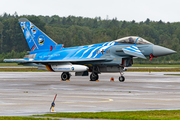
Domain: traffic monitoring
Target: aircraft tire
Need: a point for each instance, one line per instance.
(121, 78)
(65, 76)
(94, 76)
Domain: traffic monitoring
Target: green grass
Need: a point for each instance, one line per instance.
(17, 69)
(21, 70)
(125, 115)
(131, 69)
(23, 118)
(134, 65)
(9, 64)
(171, 74)
(153, 70)
(151, 65)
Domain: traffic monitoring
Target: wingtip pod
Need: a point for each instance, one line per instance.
(23, 20)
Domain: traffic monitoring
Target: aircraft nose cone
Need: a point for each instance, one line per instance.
(161, 51)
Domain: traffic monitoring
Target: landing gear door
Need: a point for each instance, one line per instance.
(126, 62)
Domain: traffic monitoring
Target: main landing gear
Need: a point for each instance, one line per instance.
(94, 77)
(65, 76)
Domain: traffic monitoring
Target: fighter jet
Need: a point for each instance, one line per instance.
(98, 58)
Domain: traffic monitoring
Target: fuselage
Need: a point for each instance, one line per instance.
(109, 50)
(112, 51)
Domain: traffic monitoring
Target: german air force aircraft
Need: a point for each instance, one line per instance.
(97, 58)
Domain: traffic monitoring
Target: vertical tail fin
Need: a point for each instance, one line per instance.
(36, 39)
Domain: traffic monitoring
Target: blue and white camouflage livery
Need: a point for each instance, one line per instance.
(110, 56)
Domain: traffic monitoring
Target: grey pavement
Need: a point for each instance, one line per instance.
(31, 93)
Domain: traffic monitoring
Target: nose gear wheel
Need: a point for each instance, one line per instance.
(121, 78)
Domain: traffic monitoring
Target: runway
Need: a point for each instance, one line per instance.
(28, 93)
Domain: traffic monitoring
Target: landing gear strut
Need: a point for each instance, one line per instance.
(121, 78)
(94, 76)
(65, 76)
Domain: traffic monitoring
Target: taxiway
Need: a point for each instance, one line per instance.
(28, 93)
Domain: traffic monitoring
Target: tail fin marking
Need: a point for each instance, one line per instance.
(36, 39)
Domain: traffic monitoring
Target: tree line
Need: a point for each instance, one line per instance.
(77, 31)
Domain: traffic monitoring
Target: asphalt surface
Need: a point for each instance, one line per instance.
(31, 93)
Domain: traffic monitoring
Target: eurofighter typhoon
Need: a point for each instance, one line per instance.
(98, 58)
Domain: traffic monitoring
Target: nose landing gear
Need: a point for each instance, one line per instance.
(121, 78)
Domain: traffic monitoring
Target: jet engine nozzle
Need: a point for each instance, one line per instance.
(161, 51)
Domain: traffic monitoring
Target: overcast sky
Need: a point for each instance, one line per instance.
(138, 10)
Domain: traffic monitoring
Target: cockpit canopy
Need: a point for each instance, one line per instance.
(132, 40)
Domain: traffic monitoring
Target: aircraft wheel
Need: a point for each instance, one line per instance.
(94, 76)
(121, 78)
(65, 76)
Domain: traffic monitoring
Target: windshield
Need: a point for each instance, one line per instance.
(132, 40)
